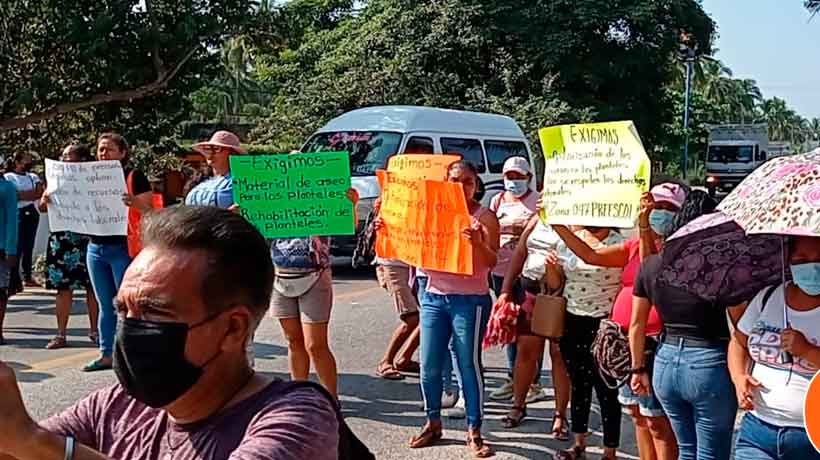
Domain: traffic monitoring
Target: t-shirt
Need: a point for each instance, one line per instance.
(216, 191)
(266, 426)
(512, 220)
(140, 186)
(622, 310)
(780, 400)
(24, 182)
(8, 218)
(542, 239)
(590, 290)
(683, 314)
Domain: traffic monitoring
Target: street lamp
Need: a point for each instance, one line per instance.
(688, 53)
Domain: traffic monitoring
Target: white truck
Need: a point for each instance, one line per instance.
(733, 152)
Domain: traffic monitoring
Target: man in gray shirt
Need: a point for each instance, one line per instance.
(190, 301)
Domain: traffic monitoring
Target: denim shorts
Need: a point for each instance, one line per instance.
(648, 405)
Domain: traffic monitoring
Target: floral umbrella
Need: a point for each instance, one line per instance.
(714, 259)
(781, 197)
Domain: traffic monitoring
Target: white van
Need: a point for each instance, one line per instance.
(372, 135)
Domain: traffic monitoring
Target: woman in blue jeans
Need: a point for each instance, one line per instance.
(107, 257)
(690, 376)
(458, 306)
(772, 363)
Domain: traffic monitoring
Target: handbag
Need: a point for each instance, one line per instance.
(549, 313)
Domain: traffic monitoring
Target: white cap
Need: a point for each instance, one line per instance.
(517, 164)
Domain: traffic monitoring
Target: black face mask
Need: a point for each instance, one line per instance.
(149, 360)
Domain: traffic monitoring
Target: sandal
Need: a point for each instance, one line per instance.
(426, 438)
(478, 447)
(410, 367)
(97, 365)
(575, 453)
(562, 432)
(388, 372)
(57, 342)
(513, 422)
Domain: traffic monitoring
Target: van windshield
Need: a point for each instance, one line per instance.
(730, 153)
(369, 150)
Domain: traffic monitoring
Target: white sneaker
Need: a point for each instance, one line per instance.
(536, 394)
(457, 412)
(503, 393)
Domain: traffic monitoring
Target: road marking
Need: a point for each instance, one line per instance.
(63, 361)
(77, 358)
(357, 293)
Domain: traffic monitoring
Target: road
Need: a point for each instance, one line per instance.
(384, 414)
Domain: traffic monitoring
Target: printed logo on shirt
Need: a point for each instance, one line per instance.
(764, 347)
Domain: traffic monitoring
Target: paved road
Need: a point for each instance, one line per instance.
(384, 414)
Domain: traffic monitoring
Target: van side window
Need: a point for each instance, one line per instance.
(499, 151)
(469, 149)
(419, 145)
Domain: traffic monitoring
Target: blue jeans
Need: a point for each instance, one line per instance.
(464, 319)
(758, 440)
(497, 282)
(695, 390)
(449, 365)
(106, 267)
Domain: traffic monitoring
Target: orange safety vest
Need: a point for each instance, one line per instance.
(135, 217)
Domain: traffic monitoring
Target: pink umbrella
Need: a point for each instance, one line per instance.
(781, 197)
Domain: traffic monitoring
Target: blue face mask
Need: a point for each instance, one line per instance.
(807, 277)
(661, 221)
(517, 187)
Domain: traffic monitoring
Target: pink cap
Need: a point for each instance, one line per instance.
(224, 139)
(517, 164)
(669, 192)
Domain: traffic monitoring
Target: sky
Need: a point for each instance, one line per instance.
(773, 42)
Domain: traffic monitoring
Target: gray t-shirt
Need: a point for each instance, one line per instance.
(267, 426)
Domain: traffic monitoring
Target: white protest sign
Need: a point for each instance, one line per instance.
(86, 197)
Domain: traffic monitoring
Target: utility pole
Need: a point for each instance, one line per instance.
(688, 53)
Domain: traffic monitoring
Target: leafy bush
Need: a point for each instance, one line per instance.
(156, 160)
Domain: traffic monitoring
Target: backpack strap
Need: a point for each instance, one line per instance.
(767, 295)
(496, 202)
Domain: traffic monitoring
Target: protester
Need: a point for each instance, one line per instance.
(66, 270)
(459, 306)
(658, 210)
(218, 189)
(108, 255)
(590, 291)
(772, 358)
(529, 262)
(302, 301)
(690, 377)
(29, 189)
(513, 208)
(190, 300)
(8, 244)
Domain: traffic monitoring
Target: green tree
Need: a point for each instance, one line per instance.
(546, 61)
(75, 67)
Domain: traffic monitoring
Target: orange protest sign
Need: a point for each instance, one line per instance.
(423, 221)
(430, 167)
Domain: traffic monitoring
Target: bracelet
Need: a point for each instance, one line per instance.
(69, 448)
(644, 227)
(638, 370)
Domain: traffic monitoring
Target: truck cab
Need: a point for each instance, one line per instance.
(734, 151)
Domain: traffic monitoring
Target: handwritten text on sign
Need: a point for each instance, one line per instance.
(295, 195)
(418, 166)
(423, 221)
(86, 197)
(594, 174)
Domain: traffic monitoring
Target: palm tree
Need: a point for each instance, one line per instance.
(745, 99)
(779, 117)
(813, 6)
(236, 57)
(814, 129)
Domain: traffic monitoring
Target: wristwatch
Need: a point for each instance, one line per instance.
(69, 447)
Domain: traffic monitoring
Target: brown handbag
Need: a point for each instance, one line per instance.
(549, 313)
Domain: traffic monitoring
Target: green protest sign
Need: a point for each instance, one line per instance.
(294, 195)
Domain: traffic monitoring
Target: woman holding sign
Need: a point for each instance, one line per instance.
(66, 269)
(108, 255)
(459, 306)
